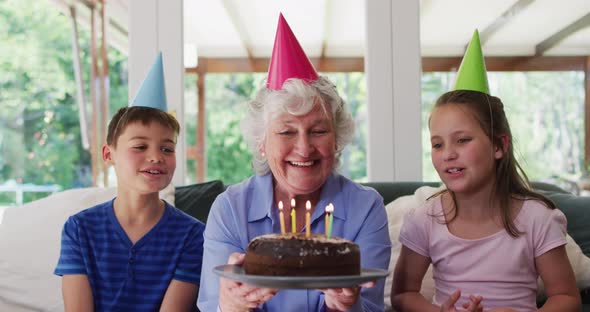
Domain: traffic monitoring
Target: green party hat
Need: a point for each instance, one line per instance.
(472, 72)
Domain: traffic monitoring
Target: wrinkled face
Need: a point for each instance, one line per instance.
(462, 154)
(144, 158)
(300, 151)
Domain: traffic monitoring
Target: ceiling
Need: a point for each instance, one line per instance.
(336, 28)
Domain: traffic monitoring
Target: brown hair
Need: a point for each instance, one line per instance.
(128, 115)
(511, 180)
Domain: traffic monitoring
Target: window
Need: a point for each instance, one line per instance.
(545, 111)
(40, 141)
(228, 156)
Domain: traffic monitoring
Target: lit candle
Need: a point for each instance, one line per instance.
(329, 219)
(293, 218)
(307, 219)
(282, 217)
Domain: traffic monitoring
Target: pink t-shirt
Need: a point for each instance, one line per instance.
(498, 267)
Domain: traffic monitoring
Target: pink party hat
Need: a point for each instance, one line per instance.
(288, 59)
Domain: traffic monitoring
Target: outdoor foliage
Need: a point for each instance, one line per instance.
(226, 96)
(39, 129)
(40, 134)
(545, 111)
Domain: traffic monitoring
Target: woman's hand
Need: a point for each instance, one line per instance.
(474, 304)
(236, 296)
(342, 299)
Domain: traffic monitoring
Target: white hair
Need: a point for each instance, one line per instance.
(297, 98)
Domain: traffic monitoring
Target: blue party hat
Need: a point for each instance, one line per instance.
(152, 92)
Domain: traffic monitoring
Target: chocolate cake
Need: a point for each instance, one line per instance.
(296, 255)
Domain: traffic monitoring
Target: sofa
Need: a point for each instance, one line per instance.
(197, 199)
(30, 235)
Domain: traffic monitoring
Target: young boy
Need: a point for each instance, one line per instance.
(135, 252)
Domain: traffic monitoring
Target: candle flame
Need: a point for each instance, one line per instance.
(292, 202)
(308, 205)
(280, 205)
(330, 208)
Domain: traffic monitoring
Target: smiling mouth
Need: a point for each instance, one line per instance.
(156, 172)
(454, 170)
(302, 163)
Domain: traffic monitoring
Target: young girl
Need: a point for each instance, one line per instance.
(488, 235)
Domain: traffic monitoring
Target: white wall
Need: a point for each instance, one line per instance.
(158, 26)
(393, 70)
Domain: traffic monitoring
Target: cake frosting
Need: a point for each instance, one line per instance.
(298, 255)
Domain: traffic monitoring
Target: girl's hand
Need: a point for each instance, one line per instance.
(236, 296)
(342, 299)
(474, 304)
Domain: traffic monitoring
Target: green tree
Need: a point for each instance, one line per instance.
(37, 92)
(545, 112)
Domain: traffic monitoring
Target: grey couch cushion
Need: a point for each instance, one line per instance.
(577, 212)
(196, 199)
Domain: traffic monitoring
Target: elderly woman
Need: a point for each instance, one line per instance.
(297, 130)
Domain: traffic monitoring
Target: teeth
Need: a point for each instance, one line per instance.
(454, 170)
(154, 171)
(302, 163)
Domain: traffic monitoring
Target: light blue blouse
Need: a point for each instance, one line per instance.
(246, 210)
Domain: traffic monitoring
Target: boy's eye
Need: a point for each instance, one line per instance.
(140, 147)
(167, 150)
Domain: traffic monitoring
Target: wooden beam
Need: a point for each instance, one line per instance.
(570, 29)
(95, 136)
(327, 20)
(104, 85)
(200, 157)
(425, 6)
(240, 27)
(429, 64)
(260, 65)
(503, 19)
(586, 168)
(523, 63)
(79, 75)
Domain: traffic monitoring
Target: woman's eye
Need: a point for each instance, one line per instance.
(286, 132)
(319, 132)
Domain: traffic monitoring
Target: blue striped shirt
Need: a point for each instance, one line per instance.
(126, 276)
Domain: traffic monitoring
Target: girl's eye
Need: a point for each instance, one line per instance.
(464, 140)
(436, 145)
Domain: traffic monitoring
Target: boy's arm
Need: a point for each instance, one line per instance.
(180, 296)
(77, 293)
